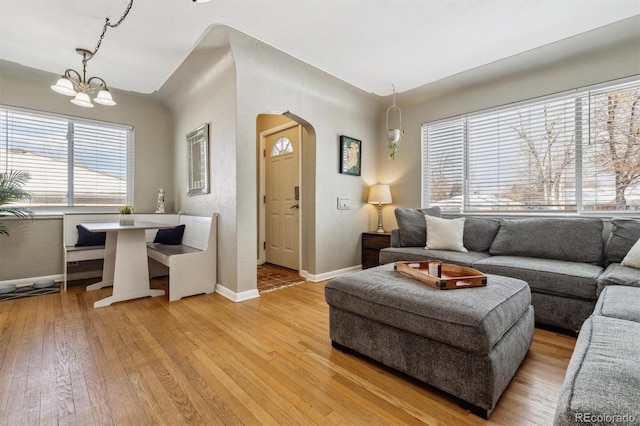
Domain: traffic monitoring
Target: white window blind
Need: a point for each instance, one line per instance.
(523, 157)
(611, 156)
(577, 151)
(443, 166)
(72, 162)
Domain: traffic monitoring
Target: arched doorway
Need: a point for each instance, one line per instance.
(285, 160)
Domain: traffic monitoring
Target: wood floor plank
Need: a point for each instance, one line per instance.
(207, 360)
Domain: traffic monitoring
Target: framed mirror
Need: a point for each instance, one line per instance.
(198, 161)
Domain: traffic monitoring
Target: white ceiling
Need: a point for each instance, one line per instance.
(368, 43)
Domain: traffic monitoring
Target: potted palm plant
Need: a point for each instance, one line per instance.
(11, 191)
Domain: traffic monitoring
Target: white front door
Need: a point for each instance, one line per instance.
(282, 198)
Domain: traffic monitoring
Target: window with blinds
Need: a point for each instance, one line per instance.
(577, 151)
(72, 161)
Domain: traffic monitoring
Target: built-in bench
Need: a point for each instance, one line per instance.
(192, 265)
(70, 222)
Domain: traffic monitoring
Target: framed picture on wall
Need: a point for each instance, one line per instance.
(198, 161)
(350, 155)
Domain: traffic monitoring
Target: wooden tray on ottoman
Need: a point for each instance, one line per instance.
(452, 276)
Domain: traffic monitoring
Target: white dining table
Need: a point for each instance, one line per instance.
(125, 261)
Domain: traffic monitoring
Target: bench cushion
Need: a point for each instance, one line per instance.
(77, 254)
(472, 319)
(162, 252)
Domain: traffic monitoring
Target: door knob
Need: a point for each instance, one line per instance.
(295, 206)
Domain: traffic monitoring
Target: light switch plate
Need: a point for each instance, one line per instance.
(343, 203)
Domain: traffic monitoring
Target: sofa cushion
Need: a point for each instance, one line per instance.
(624, 234)
(472, 319)
(558, 277)
(412, 225)
(397, 254)
(603, 377)
(571, 239)
(617, 274)
(479, 233)
(617, 301)
(444, 234)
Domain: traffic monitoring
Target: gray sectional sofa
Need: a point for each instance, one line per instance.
(566, 261)
(603, 378)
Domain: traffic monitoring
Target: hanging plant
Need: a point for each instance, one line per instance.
(11, 191)
(394, 134)
(393, 137)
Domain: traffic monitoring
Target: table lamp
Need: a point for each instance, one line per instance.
(379, 194)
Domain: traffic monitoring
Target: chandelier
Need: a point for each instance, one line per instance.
(72, 83)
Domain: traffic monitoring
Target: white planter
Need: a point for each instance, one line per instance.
(393, 135)
(126, 219)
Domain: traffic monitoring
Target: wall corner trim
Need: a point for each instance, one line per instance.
(330, 274)
(237, 297)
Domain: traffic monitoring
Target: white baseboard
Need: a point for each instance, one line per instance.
(330, 274)
(237, 297)
(254, 294)
(23, 282)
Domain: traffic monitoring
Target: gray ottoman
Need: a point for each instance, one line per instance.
(468, 342)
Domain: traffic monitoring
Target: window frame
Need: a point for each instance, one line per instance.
(73, 136)
(576, 93)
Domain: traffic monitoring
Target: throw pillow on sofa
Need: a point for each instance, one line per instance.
(445, 234)
(411, 225)
(624, 234)
(632, 259)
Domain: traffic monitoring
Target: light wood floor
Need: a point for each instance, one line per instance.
(207, 360)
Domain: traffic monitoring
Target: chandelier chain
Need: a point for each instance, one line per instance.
(108, 25)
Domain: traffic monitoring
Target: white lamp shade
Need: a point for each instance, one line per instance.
(64, 87)
(380, 194)
(83, 100)
(104, 98)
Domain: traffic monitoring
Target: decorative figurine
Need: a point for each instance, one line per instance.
(160, 207)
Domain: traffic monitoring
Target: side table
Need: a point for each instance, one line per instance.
(372, 242)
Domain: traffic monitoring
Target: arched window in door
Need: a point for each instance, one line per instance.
(281, 147)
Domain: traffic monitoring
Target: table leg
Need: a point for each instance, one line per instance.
(109, 265)
(131, 272)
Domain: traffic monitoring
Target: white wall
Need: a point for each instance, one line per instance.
(203, 90)
(268, 81)
(601, 55)
(28, 88)
(34, 248)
